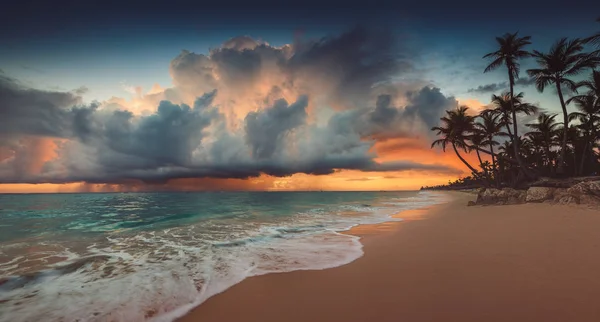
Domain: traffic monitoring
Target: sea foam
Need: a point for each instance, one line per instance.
(159, 275)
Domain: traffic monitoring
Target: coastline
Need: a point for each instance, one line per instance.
(448, 262)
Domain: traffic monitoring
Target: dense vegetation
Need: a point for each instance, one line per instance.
(555, 145)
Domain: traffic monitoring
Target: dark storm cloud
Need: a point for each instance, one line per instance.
(525, 82)
(498, 87)
(109, 144)
(237, 65)
(114, 147)
(488, 88)
(34, 112)
(348, 65)
(384, 114)
(356, 60)
(423, 110)
(165, 138)
(264, 130)
(409, 165)
(428, 104)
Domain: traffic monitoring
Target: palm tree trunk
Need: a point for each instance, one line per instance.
(465, 161)
(592, 155)
(563, 150)
(503, 156)
(516, 142)
(494, 165)
(510, 133)
(547, 150)
(582, 164)
(485, 172)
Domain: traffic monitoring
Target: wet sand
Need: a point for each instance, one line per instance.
(532, 262)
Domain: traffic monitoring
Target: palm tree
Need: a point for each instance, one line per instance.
(490, 125)
(457, 128)
(510, 52)
(565, 59)
(545, 130)
(588, 114)
(477, 139)
(504, 107)
(537, 144)
(595, 39)
(592, 85)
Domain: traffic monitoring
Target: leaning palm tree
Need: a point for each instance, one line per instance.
(477, 139)
(456, 129)
(510, 51)
(564, 60)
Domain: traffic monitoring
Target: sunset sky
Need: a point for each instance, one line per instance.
(196, 96)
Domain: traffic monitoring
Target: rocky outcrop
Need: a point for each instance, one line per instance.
(561, 183)
(505, 196)
(539, 194)
(586, 192)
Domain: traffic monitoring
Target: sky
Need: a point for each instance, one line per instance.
(135, 96)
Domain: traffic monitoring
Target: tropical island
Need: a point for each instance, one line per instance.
(557, 151)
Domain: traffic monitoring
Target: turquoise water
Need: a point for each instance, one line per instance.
(152, 256)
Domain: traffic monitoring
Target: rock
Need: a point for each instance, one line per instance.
(471, 203)
(589, 187)
(506, 193)
(487, 196)
(586, 192)
(562, 183)
(589, 200)
(567, 200)
(559, 193)
(523, 196)
(539, 194)
(505, 196)
(513, 200)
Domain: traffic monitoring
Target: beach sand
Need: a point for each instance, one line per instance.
(532, 262)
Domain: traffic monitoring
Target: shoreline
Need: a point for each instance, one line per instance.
(360, 231)
(448, 262)
(356, 232)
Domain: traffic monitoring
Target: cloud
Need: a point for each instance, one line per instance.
(360, 179)
(245, 109)
(33, 69)
(422, 110)
(265, 130)
(489, 88)
(502, 86)
(525, 82)
(414, 166)
(34, 112)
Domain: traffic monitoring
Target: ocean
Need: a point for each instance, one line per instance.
(154, 256)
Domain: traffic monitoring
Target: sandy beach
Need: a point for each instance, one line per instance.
(531, 262)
